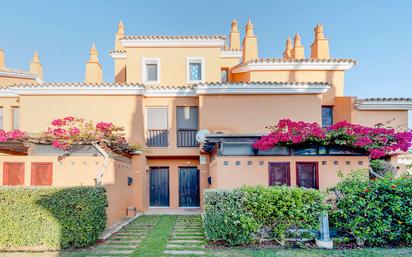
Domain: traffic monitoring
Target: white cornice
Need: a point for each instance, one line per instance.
(230, 54)
(24, 75)
(385, 105)
(173, 42)
(75, 90)
(259, 88)
(293, 66)
(118, 55)
(169, 92)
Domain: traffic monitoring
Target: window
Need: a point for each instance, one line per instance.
(224, 75)
(157, 127)
(327, 116)
(151, 70)
(15, 117)
(187, 125)
(195, 69)
(1, 117)
(307, 174)
(236, 149)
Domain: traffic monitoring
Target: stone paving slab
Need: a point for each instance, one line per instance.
(184, 252)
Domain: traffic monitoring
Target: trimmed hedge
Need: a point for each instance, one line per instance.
(51, 218)
(251, 214)
(375, 212)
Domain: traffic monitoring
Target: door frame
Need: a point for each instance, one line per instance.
(287, 172)
(316, 164)
(198, 183)
(168, 191)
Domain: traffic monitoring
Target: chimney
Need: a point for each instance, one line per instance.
(94, 72)
(298, 51)
(35, 66)
(2, 59)
(234, 36)
(249, 46)
(287, 54)
(119, 35)
(320, 47)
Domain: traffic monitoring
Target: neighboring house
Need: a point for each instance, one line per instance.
(167, 88)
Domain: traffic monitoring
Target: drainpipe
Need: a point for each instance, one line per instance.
(101, 170)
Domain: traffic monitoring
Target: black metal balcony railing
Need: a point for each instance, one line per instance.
(187, 138)
(157, 138)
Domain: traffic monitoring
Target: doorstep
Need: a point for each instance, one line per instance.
(179, 211)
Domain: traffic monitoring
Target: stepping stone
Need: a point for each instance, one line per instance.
(184, 252)
(186, 241)
(117, 246)
(124, 241)
(184, 246)
(187, 237)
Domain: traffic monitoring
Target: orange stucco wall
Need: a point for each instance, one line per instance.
(396, 119)
(172, 63)
(82, 170)
(251, 114)
(36, 112)
(232, 175)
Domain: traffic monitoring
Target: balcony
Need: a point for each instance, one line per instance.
(187, 138)
(157, 138)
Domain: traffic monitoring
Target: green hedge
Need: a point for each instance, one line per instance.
(51, 218)
(375, 212)
(251, 214)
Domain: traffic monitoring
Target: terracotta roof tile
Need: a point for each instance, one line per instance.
(277, 83)
(285, 60)
(74, 84)
(16, 71)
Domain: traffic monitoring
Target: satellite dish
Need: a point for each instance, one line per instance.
(201, 135)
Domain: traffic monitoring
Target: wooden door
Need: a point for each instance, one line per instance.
(159, 187)
(307, 174)
(41, 173)
(279, 173)
(189, 192)
(13, 173)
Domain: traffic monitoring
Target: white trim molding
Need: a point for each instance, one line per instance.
(181, 42)
(230, 54)
(70, 89)
(169, 91)
(150, 60)
(18, 74)
(261, 88)
(197, 60)
(274, 66)
(384, 105)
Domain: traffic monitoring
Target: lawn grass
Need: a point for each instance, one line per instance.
(155, 243)
(157, 238)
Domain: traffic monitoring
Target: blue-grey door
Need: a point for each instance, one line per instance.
(159, 187)
(189, 187)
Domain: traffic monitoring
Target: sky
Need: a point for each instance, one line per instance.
(377, 33)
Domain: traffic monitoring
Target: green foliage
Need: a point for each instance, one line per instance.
(253, 213)
(51, 218)
(374, 212)
(381, 167)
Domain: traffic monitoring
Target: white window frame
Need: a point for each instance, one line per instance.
(195, 59)
(150, 60)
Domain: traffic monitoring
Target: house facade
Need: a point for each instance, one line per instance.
(168, 88)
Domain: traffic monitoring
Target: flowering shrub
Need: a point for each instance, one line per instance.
(374, 212)
(15, 135)
(378, 141)
(70, 131)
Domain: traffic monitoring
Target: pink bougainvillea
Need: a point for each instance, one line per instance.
(15, 135)
(69, 131)
(378, 141)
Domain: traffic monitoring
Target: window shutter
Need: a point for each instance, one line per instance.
(187, 117)
(13, 173)
(41, 173)
(157, 118)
